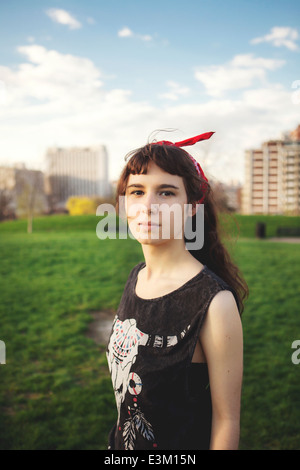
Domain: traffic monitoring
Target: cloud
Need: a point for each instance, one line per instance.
(280, 36)
(175, 91)
(145, 37)
(125, 33)
(241, 72)
(63, 17)
(50, 77)
(60, 99)
(128, 33)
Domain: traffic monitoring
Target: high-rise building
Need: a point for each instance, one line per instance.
(272, 177)
(76, 172)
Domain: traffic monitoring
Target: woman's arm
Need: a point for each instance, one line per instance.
(222, 342)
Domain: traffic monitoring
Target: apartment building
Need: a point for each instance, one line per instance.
(291, 174)
(272, 177)
(76, 171)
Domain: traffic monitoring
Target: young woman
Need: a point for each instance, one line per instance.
(175, 352)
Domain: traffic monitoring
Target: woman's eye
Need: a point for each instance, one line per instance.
(165, 192)
(134, 192)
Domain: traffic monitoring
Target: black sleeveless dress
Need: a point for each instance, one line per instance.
(163, 399)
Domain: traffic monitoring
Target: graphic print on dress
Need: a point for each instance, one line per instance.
(136, 421)
(121, 355)
(123, 349)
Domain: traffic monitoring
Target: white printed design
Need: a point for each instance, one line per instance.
(121, 355)
(135, 384)
(136, 422)
(122, 352)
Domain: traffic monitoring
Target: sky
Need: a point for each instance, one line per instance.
(124, 72)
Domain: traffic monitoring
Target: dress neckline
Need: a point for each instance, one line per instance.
(154, 299)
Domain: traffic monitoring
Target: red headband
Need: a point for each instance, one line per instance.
(191, 141)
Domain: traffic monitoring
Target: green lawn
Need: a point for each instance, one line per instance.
(271, 399)
(238, 225)
(55, 391)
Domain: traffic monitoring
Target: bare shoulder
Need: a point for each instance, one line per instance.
(224, 304)
(222, 338)
(223, 316)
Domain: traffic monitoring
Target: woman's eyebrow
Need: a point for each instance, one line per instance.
(160, 186)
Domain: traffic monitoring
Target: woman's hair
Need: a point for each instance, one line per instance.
(176, 161)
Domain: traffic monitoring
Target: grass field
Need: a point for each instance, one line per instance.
(237, 225)
(55, 390)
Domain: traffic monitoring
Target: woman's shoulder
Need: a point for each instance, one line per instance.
(223, 292)
(214, 278)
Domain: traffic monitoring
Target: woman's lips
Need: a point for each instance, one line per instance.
(148, 224)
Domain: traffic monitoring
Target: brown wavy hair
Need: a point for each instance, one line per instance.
(176, 161)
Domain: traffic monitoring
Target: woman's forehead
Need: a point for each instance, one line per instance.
(155, 176)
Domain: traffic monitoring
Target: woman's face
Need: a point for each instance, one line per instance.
(158, 198)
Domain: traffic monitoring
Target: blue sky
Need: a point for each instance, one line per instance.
(112, 72)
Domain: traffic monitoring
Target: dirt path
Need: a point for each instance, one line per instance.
(273, 239)
(284, 239)
(99, 329)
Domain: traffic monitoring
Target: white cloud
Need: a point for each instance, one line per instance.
(249, 61)
(128, 33)
(59, 99)
(125, 33)
(145, 37)
(63, 17)
(280, 36)
(175, 91)
(51, 77)
(3, 94)
(241, 72)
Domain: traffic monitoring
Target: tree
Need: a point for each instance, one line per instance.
(7, 209)
(30, 195)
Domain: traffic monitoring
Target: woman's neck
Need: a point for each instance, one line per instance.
(168, 260)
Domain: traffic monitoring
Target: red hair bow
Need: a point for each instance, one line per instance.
(191, 141)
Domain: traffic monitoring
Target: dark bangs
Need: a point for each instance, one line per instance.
(173, 160)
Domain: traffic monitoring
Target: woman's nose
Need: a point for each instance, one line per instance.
(150, 203)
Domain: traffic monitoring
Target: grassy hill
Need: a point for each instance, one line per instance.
(55, 390)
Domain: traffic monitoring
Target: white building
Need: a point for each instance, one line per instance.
(76, 172)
